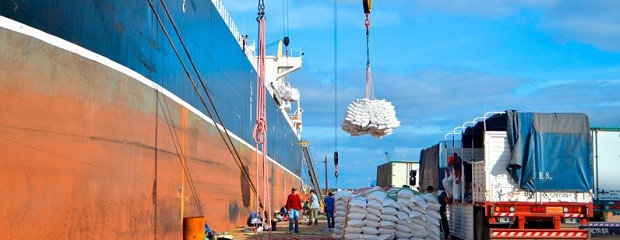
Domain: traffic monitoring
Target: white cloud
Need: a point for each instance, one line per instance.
(419, 129)
(480, 8)
(316, 15)
(319, 132)
(577, 95)
(529, 89)
(406, 153)
(387, 17)
(590, 22)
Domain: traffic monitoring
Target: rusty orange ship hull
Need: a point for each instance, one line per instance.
(88, 151)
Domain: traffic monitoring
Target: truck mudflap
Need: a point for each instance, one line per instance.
(602, 228)
(539, 234)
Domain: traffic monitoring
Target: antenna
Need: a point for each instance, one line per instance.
(387, 157)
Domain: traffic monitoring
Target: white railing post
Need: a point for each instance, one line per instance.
(228, 20)
(489, 114)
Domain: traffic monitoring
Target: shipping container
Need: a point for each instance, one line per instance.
(398, 174)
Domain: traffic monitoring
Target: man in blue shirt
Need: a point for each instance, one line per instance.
(329, 209)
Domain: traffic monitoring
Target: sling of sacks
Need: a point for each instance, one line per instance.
(288, 93)
(370, 116)
(399, 213)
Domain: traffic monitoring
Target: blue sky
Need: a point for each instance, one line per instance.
(442, 63)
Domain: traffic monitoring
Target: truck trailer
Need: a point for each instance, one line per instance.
(606, 157)
(523, 176)
(606, 147)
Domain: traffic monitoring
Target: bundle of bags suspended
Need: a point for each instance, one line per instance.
(398, 213)
(287, 93)
(376, 117)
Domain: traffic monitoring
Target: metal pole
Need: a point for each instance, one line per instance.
(596, 193)
(326, 184)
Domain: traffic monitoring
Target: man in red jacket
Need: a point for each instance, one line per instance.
(293, 205)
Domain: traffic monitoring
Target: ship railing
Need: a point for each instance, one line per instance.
(219, 5)
(296, 52)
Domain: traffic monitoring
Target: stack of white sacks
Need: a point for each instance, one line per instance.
(288, 93)
(370, 116)
(399, 213)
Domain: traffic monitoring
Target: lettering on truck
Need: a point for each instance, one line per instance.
(560, 195)
(599, 231)
(544, 176)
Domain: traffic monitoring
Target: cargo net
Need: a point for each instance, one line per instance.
(368, 115)
(376, 117)
(399, 213)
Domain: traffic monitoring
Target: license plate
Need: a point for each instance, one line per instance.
(554, 210)
(571, 220)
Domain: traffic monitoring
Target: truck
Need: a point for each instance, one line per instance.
(523, 176)
(606, 157)
(398, 174)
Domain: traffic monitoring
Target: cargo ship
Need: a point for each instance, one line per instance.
(119, 119)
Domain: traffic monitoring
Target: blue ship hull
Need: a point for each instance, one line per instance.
(128, 33)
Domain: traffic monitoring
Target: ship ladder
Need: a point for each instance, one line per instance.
(311, 169)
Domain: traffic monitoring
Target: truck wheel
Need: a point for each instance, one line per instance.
(482, 230)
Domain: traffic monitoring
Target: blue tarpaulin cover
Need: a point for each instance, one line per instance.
(550, 151)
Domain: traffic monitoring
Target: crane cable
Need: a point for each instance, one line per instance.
(223, 134)
(336, 92)
(370, 91)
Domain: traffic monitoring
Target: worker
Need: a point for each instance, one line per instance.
(244, 39)
(314, 208)
(329, 208)
(443, 200)
(430, 189)
(448, 181)
(293, 205)
(456, 163)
